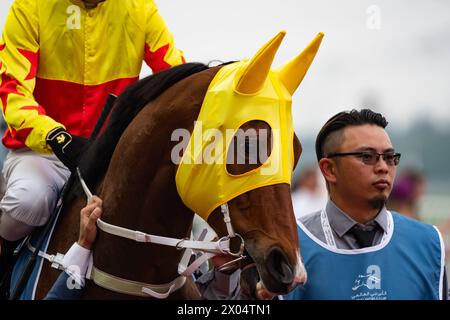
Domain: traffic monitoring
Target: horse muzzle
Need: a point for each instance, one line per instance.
(279, 276)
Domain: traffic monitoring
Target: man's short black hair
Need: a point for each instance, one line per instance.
(345, 119)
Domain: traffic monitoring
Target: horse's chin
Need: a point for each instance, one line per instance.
(263, 293)
(269, 288)
(264, 287)
(249, 280)
(254, 288)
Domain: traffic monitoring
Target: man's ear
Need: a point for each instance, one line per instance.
(328, 168)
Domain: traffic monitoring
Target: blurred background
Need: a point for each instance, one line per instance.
(390, 56)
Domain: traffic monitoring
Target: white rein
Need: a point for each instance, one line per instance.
(161, 291)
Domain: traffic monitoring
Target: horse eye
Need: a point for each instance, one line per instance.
(245, 152)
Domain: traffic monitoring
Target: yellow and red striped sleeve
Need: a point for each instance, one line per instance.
(160, 50)
(19, 55)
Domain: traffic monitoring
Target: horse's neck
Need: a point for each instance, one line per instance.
(155, 210)
(139, 190)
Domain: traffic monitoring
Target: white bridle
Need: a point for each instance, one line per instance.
(208, 249)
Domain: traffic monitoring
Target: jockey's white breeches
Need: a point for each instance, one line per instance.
(33, 183)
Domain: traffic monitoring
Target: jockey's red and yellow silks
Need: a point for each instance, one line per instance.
(58, 62)
(239, 93)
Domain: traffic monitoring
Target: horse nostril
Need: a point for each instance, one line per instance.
(278, 266)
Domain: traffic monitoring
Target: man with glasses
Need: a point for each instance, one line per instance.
(354, 248)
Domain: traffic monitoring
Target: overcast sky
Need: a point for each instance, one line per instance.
(390, 55)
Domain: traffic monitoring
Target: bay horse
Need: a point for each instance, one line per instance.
(131, 168)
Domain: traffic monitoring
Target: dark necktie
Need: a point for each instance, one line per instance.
(363, 237)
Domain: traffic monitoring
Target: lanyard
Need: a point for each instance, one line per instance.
(329, 233)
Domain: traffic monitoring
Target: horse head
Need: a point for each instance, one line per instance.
(241, 156)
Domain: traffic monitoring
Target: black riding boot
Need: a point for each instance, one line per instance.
(6, 266)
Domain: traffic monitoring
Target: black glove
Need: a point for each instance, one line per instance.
(66, 147)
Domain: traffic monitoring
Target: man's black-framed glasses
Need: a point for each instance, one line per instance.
(371, 157)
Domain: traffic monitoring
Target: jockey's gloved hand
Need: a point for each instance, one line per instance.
(67, 148)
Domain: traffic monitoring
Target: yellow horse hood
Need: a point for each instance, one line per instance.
(239, 93)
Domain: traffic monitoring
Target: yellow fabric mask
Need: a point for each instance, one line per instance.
(239, 93)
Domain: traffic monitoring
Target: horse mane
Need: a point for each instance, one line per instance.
(97, 155)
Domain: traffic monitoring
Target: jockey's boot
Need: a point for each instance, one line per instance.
(6, 265)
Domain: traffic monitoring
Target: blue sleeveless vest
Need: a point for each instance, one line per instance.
(407, 264)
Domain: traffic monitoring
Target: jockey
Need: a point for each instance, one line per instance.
(58, 62)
